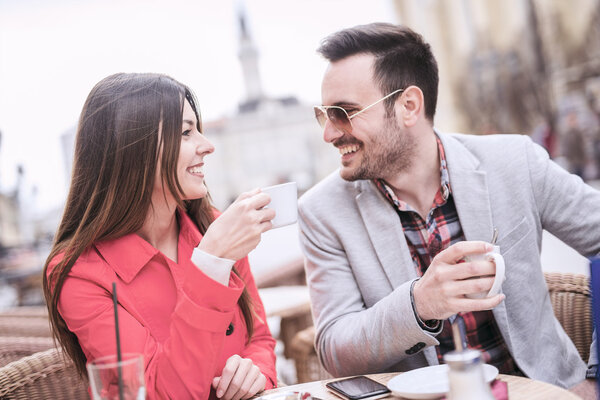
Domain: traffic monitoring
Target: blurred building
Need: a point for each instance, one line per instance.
(9, 221)
(507, 65)
(67, 144)
(13, 227)
(268, 141)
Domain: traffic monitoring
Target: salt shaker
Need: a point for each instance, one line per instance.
(465, 372)
(465, 376)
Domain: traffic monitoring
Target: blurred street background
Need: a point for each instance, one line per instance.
(506, 66)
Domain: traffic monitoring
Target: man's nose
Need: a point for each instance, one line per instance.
(330, 132)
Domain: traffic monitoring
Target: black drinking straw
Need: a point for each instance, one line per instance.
(119, 372)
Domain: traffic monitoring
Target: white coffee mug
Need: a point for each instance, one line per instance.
(499, 278)
(284, 200)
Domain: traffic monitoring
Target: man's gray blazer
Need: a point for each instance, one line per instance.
(359, 267)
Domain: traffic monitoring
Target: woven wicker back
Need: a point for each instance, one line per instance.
(24, 326)
(26, 311)
(43, 375)
(14, 348)
(571, 300)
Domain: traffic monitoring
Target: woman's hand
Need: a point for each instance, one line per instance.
(237, 231)
(240, 379)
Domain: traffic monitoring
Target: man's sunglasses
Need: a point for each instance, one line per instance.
(339, 117)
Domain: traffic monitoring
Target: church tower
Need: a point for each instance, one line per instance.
(248, 55)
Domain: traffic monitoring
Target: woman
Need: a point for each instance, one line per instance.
(138, 214)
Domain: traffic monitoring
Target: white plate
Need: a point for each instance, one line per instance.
(429, 382)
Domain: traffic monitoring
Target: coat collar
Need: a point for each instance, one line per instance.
(128, 254)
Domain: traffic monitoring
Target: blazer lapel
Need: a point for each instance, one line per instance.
(469, 190)
(385, 233)
(472, 201)
(387, 237)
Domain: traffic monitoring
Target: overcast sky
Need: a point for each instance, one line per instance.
(53, 52)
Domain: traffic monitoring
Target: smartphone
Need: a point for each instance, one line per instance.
(358, 388)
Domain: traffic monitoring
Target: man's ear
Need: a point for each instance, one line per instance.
(412, 105)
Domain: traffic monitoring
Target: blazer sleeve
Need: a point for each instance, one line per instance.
(261, 349)
(183, 367)
(568, 207)
(345, 327)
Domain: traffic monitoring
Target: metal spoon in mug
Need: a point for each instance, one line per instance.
(495, 236)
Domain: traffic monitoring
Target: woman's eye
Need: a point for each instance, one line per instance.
(187, 133)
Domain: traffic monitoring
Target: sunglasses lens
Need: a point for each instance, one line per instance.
(336, 116)
(320, 115)
(339, 119)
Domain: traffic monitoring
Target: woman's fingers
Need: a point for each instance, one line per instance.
(249, 380)
(246, 195)
(227, 375)
(240, 367)
(240, 379)
(258, 386)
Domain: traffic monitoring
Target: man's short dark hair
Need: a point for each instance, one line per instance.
(402, 58)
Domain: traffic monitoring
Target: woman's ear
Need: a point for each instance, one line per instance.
(412, 105)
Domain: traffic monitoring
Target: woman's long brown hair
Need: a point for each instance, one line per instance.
(115, 162)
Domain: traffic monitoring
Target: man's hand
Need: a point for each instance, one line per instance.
(240, 379)
(586, 389)
(441, 291)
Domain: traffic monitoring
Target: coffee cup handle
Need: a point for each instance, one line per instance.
(500, 270)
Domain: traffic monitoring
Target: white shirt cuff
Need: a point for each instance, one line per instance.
(216, 268)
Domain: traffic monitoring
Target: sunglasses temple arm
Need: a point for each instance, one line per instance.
(377, 102)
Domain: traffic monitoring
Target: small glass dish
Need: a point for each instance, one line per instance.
(288, 396)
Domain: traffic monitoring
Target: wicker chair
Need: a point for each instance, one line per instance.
(571, 300)
(25, 311)
(15, 348)
(302, 351)
(43, 375)
(21, 326)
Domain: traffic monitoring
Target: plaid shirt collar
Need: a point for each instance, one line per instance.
(441, 196)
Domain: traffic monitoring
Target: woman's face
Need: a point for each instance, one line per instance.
(194, 146)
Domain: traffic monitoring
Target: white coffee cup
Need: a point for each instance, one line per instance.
(499, 278)
(284, 200)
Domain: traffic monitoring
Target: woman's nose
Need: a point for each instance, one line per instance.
(204, 145)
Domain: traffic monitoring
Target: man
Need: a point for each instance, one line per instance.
(386, 236)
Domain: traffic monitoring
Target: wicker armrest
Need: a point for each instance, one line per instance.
(43, 375)
(15, 348)
(302, 351)
(570, 295)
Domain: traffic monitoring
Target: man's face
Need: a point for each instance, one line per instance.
(378, 146)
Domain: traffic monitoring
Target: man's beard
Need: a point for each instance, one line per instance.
(389, 153)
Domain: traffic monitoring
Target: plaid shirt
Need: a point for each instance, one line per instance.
(425, 240)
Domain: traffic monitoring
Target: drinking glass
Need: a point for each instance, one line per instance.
(104, 375)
